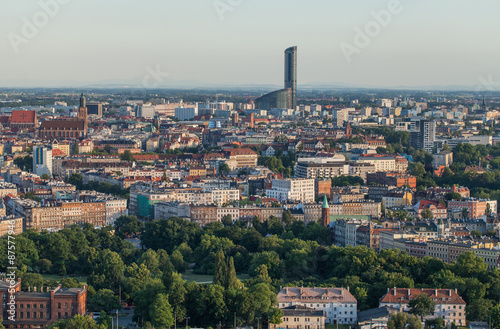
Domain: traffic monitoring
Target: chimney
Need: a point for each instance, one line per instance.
(435, 292)
(29, 289)
(449, 292)
(347, 288)
(409, 292)
(455, 290)
(34, 288)
(388, 290)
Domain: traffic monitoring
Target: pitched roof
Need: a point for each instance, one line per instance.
(63, 125)
(313, 295)
(22, 116)
(440, 296)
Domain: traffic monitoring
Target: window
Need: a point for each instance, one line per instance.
(59, 306)
(41, 305)
(27, 315)
(34, 315)
(28, 305)
(22, 305)
(21, 315)
(34, 305)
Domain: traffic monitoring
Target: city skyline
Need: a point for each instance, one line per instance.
(217, 43)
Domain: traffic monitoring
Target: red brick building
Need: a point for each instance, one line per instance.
(42, 306)
(391, 179)
(23, 119)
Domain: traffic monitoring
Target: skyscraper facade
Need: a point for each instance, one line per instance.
(42, 161)
(291, 73)
(423, 135)
(284, 98)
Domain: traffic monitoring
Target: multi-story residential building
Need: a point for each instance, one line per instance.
(243, 157)
(423, 135)
(449, 305)
(11, 225)
(391, 179)
(345, 231)
(7, 188)
(385, 163)
(339, 304)
(438, 208)
(397, 199)
(222, 197)
(300, 190)
(38, 309)
(362, 208)
(476, 208)
(203, 215)
(444, 158)
(164, 210)
(234, 212)
(299, 317)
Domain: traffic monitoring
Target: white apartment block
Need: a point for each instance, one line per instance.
(292, 189)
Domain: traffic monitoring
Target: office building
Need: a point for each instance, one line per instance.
(95, 109)
(285, 98)
(42, 161)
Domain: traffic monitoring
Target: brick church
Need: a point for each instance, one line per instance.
(69, 128)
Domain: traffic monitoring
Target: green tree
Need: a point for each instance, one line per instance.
(422, 305)
(465, 213)
(45, 176)
(453, 196)
(231, 279)
(275, 316)
(78, 322)
(224, 168)
(126, 226)
(220, 269)
(427, 214)
(161, 312)
(479, 309)
(104, 300)
(416, 169)
(127, 156)
(404, 321)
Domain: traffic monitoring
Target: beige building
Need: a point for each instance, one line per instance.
(243, 157)
(339, 304)
(444, 158)
(301, 317)
(11, 225)
(449, 305)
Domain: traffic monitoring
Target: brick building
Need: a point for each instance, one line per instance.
(391, 179)
(42, 306)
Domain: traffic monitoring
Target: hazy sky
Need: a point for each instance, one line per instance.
(445, 42)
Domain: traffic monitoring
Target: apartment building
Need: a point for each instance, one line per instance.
(449, 305)
(339, 304)
(292, 189)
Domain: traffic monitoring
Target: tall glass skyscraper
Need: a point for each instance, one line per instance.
(291, 73)
(284, 98)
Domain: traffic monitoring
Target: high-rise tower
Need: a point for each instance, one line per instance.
(325, 213)
(291, 73)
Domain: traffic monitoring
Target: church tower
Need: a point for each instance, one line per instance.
(325, 213)
(82, 113)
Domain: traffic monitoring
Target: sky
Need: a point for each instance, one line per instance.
(156, 43)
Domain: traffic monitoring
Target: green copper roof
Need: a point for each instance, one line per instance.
(325, 203)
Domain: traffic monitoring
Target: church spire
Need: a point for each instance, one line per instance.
(82, 101)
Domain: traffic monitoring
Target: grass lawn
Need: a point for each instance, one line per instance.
(58, 278)
(334, 326)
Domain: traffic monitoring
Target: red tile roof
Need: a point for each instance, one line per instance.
(440, 296)
(21, 116)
